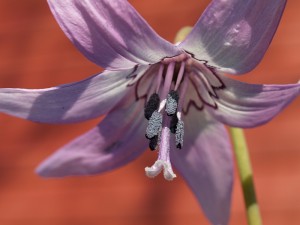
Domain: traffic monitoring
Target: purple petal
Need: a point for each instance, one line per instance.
(206, 164)
(116, 141)
(234, 35)
(249, 105)
(110, 33)
(69, 103)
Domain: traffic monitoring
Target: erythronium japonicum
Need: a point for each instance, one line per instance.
(180, 89)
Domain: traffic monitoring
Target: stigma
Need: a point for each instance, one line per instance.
(164, 108)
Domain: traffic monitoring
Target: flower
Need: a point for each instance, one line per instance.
(179, 88)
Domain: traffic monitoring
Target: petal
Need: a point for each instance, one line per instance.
(116, 141)
(69, 103)
(206, 163)
(249, 105)
(110, 33)
(234, 35)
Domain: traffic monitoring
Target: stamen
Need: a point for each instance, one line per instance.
(180, 75)
(153, 143)
(162, 105)
(183, 91)
(173, 123)
(154, 125)
(168, 80)
(151, 106)
(179, 134)
(172, 102)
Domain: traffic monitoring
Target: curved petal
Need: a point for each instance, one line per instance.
(69, 103)
(233, 35)
(110, 33)
(249, 105)
(116, 141)
(206, 163)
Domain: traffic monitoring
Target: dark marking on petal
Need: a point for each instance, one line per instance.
(189, 105)
(132, 76)
(215, 106)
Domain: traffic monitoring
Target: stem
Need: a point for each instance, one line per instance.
(246, 176)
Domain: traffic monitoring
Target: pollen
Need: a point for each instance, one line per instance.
(151, 105)
(179, 134)
(172, 102)
(173, 123)
(154, 125)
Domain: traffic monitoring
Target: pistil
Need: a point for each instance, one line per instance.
(163, 162)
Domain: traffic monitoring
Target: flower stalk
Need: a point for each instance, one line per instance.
(246, 176)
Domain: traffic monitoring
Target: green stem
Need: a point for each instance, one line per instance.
(246, 176)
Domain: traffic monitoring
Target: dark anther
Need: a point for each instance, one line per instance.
(174, 95)
(179, 134)
(153, 143)
(173, 123)
(151, 106)
(154, 125)
(172, 102)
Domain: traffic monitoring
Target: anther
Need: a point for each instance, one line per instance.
(172, 102)
(151, 105)
(179, 134)
(154, 125)
(153, 143)
(173, 123)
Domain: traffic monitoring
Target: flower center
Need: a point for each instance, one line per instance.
(168, 103)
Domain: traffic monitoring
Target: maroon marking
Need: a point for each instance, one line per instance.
(192, 103)
(215, 106)
(132, 76)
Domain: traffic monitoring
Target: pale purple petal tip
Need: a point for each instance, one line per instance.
(110, 33)
(206, 163)
(116, 141)
(234, 35)
(250, 105)
(69, 103)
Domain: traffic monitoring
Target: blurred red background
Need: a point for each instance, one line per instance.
(34, 53)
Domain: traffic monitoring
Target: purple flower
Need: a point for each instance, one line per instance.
(179, 88)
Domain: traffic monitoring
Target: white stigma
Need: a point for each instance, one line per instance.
(163, 161)
(157, 167)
